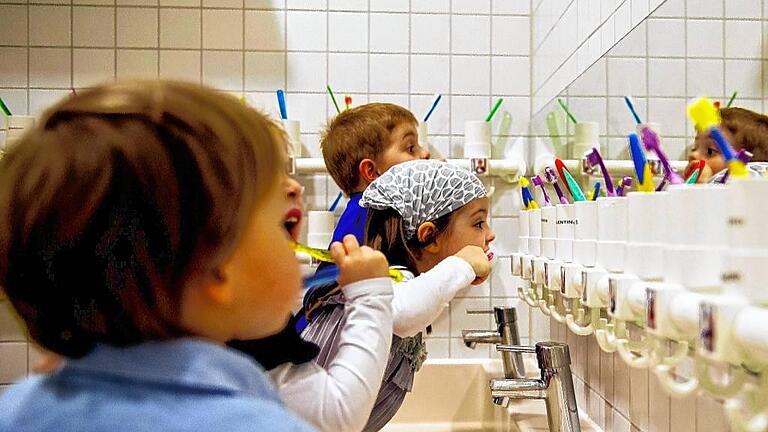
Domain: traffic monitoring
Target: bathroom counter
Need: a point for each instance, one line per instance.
(452, 395)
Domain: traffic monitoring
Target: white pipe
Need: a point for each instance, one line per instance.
(616, 167)
(496, 167)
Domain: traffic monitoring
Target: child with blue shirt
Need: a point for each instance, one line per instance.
(134, 228)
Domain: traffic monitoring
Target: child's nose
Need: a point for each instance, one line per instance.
(693, 155)
(293, 189)
(425, 153)
(490, 236)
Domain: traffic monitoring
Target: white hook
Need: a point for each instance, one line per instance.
(525, 296)
(605, 336)
(678, 389)
(749, 421)
(582, 329)
(637, 360)
(715, 389)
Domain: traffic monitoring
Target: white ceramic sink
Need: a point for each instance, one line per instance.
(453, 396)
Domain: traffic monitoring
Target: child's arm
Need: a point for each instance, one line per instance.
(341, 398)
(418, 302)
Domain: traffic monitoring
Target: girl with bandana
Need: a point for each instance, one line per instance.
(430, 221)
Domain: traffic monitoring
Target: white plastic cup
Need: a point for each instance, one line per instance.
(293, 130)
(585, 233)
(746, 228)
(645, 234)
(524, 231)
(320, 226)
(423, 132)
(477, 140)
(745, 273)
(566, 229)
(586, 136)
(548, 231)
(611, 233)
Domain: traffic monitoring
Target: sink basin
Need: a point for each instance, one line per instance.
(452, 395)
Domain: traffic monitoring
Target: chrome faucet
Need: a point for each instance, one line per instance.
(506, 333)
(555, 385)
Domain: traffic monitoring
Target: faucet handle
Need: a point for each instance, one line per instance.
(479, 311)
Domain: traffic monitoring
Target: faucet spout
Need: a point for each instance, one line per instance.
(473, 337)
(518, 388)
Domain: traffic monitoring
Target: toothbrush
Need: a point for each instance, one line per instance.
(625, 183)
(335, 203)
(693, 177)
(596, 192)
(742, 155)
(551, 177)
(494, 109)
(528, 200)
(325, 256)
(662, 185)
(333, 98)
(281, 104)
(347, 101)
(567, 111)
(570, 182)
(438, 96)
(651, 143)
(632, 110)
(706, 117)
(642, 169)
(593, 158)
(537, 181)
(4, 107)
(699, 164)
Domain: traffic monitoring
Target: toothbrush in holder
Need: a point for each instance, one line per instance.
(651, 143)
(537, 181)
(593, 158)
(626, 183)
(551, 177)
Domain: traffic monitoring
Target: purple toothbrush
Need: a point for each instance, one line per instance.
(593, 158)
(662, 185)
(551, 176)
(536, 180)
(626, 183)
(651, 143)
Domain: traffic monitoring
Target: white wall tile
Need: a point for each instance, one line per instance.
(626, 76)
(223, 69)
(704, 9)
(743, 8)
(93, 26)
(708, 40)
(310, 109)
(441, 327)
(48, 25)
(136, 64)
(438, 348)
(671, 113)
(710, 415)
(506, 230)
(743, 39)
(347, 5)
(13, 25)
(137, 27)
(390, 32)
(231, 4)
(633, 44)
(306, 72)
(682, 413)
(185, 65)
(744, 76)
(461, 320)
(620, 423)
(704, 77)
(430, 74)
(510, 75)
(390, 5)
(348, 72)
(264, 71)
(439, 120)
(471, 75)
(306, 30)
(593, 82)
(13, 68)
(177, 3)
(428, 33)
(16, 99)
(666, 37)
(180, 28)
(49, 67)
(222, 29)
(91, 67)
(389, 73)
(638, 397)
(307, 4)
(511, 35)
(666, 77)
(264, 30)
(460, 351)
(671, 8)
(658, 406)
(470, 34)
(435, 6)
(347, 31)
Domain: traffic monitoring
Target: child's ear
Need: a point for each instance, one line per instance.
(219, 290)
(426, 233)
(368, 171)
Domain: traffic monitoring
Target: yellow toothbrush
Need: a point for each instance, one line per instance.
(324, 255)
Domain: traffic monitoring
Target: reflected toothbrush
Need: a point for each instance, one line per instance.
(573, 187)
(551, 177)
(706, 116)
(642, 169)
(593, 158)
(693, 177)
(561, 168)
(741, 155)
(596, 192)
(537, 181)
(651, 143)
(625, 184)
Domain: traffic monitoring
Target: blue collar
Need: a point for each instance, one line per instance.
(187, 362)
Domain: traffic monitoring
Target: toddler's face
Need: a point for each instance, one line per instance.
(704, 148)
(468, 227)
(294, 212)
(263, 271)
(403, 146)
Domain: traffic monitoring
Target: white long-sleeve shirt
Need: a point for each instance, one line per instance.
(418, 302)
(340, 398)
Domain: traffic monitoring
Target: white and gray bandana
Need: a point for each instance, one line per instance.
(422, 191)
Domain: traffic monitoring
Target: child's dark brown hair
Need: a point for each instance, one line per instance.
(120, 198)
(384, 232)
(749, 130)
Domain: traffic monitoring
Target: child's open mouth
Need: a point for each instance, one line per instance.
(292, 223)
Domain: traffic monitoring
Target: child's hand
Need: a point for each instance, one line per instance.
(479, 261)
(357, 262)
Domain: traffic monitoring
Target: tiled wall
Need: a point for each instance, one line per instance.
(686, 48)
(569, 36)
(402, 51)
